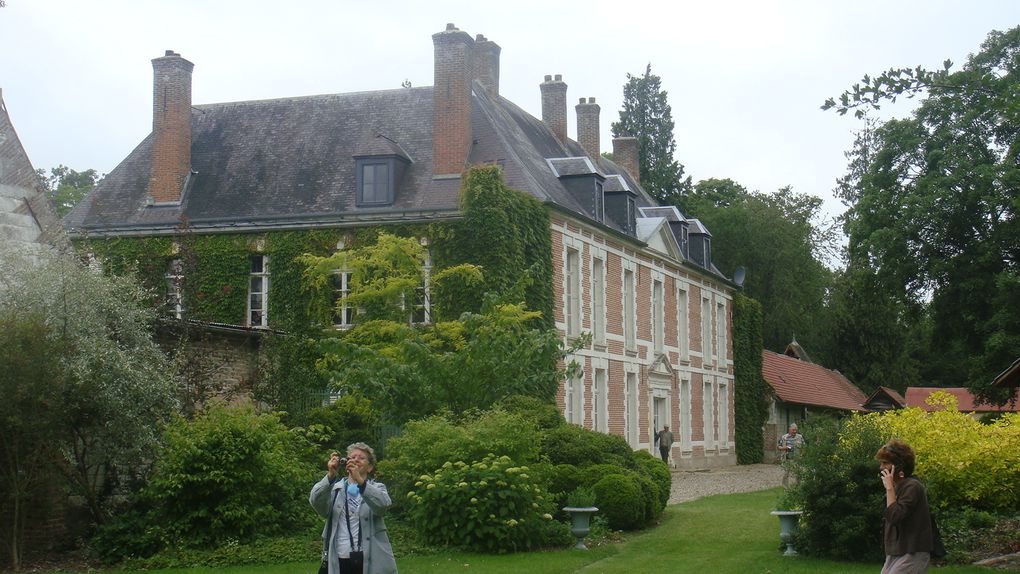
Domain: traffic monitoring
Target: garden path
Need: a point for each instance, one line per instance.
(693, 484)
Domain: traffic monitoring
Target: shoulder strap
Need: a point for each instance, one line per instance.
(329, 523)
(347, 515)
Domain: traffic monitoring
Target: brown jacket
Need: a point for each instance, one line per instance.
(908, 520)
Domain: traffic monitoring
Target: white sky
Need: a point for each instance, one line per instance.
(745, 78)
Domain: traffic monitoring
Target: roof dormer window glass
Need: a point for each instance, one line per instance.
(374, 183)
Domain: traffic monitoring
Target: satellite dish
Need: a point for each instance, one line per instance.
(739, 274)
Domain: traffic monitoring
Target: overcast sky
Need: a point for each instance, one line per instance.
(745, 78)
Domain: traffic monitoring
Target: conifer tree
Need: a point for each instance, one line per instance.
(647, 116)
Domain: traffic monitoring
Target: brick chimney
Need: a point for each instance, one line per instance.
(588, 127)
(625, 154)
(451, 121)
(171, 127)
(486, 58)
(554, 106)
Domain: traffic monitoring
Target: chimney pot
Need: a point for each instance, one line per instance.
(554, 106)
(450, 27)
(588, 127)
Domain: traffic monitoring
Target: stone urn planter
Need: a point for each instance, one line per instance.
(580, 522)
(788, 521)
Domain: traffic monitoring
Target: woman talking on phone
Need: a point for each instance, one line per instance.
(907, 528)
(354, 540)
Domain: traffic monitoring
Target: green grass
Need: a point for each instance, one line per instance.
(718, 535)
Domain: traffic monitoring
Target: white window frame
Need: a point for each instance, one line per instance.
(723, 407)
(263, 275)
(658, 315)
(572, 292)
(720, 332)
(706, 331)
(629, 308)
(708, 411)
(686, 443)
(683, 324)
(573, 399)
(422, 306)
(630, 408)
(600, 401)
(175, 287)
(340, 293)
(598, 297)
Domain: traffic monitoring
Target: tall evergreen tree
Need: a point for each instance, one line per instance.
(647, 116)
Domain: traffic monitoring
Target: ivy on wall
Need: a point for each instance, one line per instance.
(504, 231)
(749, 398)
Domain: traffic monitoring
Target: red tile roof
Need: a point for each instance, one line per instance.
(964, 400)
(796, 381)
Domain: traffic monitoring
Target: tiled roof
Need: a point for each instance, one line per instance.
(796, 381)
(965, 403)
(290, 162)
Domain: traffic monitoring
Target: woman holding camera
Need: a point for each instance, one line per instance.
(908, 533)
(354, 538)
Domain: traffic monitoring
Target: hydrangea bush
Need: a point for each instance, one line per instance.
(490, 506)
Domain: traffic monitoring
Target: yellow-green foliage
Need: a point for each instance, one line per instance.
(962, 462)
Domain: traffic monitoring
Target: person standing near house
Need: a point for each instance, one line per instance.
(665, 439)
(789, 444)
(354, 538)
(907, 521)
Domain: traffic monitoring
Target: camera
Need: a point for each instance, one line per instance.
(343, 461)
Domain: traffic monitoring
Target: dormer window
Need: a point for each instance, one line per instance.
(377, 179)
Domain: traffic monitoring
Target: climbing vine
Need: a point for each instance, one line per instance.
(749, 398)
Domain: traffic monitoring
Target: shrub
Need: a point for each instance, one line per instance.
(229, 475)
(658, 472)
(571, 444)
(620, 500)
(347, 420)
(490, 506)
(426, 445)
(839, 491)
(545, 414)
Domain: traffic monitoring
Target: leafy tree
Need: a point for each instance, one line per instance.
(116, 385)
(775, 237)
(647, 116)
(32, 386)
(66, 187)
(933, 203)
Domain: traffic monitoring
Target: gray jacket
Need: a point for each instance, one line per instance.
(375, 540)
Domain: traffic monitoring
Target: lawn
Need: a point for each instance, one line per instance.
(719, 535)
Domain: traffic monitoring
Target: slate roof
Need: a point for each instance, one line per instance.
(289, 163)
(965, 401)
(796, 381)
(28, 221)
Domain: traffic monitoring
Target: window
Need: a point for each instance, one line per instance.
(629, 342)
(175, 287)
(724, 416)
(720, 334)
(708, 412)
(630, 400)
(598, 301)
(685, 415)
(658, 325)
(600, 205)
(599, 402)
(258, 291)
(572, 291)
(683, 325)
(374, 185)
(706, 330)
(343, 314)
(421, 308)
(574, 400)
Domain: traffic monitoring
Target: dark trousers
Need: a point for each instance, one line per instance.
(664, 453)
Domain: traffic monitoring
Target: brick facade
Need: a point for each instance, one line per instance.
(658, 379)
(171, 127)
(454, 68)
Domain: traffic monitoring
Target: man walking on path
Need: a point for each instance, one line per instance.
(665, 439)
(789, 444)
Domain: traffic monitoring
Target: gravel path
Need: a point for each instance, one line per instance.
(691, 485)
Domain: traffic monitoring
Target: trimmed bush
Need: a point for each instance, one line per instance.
(488, 506)
(343, 422)
(571, 444)
(658, 472)
(620, 500)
